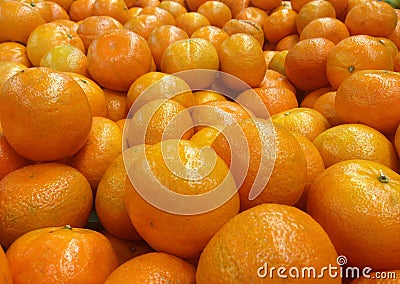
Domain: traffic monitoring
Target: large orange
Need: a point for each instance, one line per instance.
(241, 56)
(356, 141)
(185, 168)
(283, 167)
(375, 18)
(156, 267)
(42, 195)
(50, 11)
(62, 255)
(45, 114)
(356, 202)
(112, 55)
(249, 248)
(103, 145)
(314, 10)
(11, 26)
(355, 53)
(370, 97)
(305, 63)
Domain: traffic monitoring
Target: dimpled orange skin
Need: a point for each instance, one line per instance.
(42, 195)
(358, 98)
(356, 141)
(357, 203)
(270, 235)
(45, 114)
(61, 255)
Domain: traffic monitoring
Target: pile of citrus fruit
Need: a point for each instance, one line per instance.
(199, 141)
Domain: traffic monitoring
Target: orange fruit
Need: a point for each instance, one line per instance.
(161, 37)
(338, 199)
(50, 11)
(253, 14)
(176, 164)
(158, 85)
(280, 24)
(235, 26)
(241, 55)
(397, 140)
(49, 35)
(315, 165)
(314, 10)
(390, 45)
(193, 5)
(121, 123)
(250, 244)
(237, 6)
(378, 277)
(45, 114)
(116, 9)
(65, 4)
(174, 8)
(212, 34)
(325, 104)
(362, 97)
(110, 58)
(115, 105)
(266, 5)
(5, 273)
(9, 159)
(269, 54)
(127, 249)
(142, 3)
(264, 102)
(66, 58)
(287, 42)
(46, 254)
(15, 52)
(110, 198)
(305, 121)
(375, 18)
(11, 13)
(94, 93)
(355, 53)
(310, 98)
(395, 35)
(190, 54)
(93, 26)
(305, 63)
(159, 120)
(191, 21)
(9, 69)
(284, 184)
(30, 200)
(356, 141)
(163, 15)
(217, 13)
(214, 113)
(143, 24)
(153, 267)
(103, 145)
(329, 28)
(204, 96)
